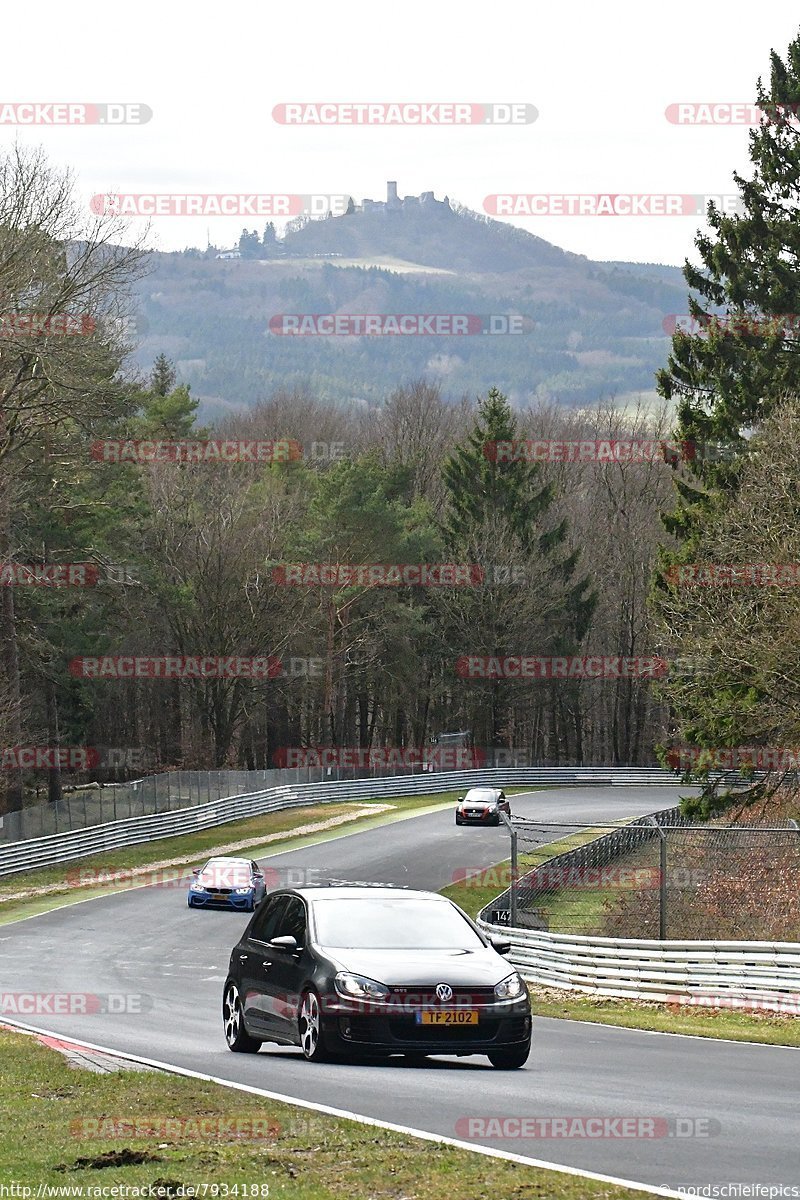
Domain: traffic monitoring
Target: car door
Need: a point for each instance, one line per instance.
(255, 962)
(259, 884)
(284, 978)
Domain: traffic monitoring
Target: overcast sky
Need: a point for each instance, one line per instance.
(600, 76)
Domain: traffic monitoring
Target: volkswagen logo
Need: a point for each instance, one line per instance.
(444, 992)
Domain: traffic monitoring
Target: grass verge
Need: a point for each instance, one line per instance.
(297, 1154)
(770, 1028)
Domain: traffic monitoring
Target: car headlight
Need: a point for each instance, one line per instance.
(196, 887)
(242, 891)
(510, 987)
(358, 987)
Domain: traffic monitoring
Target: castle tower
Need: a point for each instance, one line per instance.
(391, 192)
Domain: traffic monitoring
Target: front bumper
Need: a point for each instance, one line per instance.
(220, 900)
(386, 1029)
(481, 817)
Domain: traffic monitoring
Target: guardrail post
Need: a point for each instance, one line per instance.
(514, 870)
(662, 893)
(662, 880)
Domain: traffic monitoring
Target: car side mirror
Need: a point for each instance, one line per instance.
(196, 871)
(285, 942)
(500, 945)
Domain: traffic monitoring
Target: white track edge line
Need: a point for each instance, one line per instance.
(346, 1114)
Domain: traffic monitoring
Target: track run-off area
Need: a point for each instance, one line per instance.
(146, 943)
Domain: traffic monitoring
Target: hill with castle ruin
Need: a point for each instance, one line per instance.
(591, 330)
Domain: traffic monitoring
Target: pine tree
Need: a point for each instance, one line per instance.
(496, 517)
(162, 376)
(727, 377)
(479, 488)
(727, 380)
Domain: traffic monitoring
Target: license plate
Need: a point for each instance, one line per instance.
(463, 1016)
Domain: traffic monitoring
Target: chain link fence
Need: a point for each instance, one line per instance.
(657, 877)
(96, 804)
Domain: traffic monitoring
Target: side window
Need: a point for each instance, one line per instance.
(268, 919)
(293, 921)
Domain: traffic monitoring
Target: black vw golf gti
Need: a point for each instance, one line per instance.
(355, 971)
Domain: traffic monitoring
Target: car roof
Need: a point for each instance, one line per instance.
(222, 858)
(362, 891)
(492, 791)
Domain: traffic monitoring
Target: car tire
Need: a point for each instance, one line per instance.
(309, 1028)
(237, 1037)
(496, 821)
(509, 1058)
(416, 1058)
(459, 821)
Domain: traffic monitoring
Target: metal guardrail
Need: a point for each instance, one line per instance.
(717, 974)
(67, 847)
(96, 804)
(735, 974)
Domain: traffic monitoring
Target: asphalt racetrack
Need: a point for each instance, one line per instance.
(146, 942)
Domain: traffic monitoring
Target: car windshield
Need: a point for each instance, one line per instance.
(219, 873)
(481, 796)
(389, 924)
